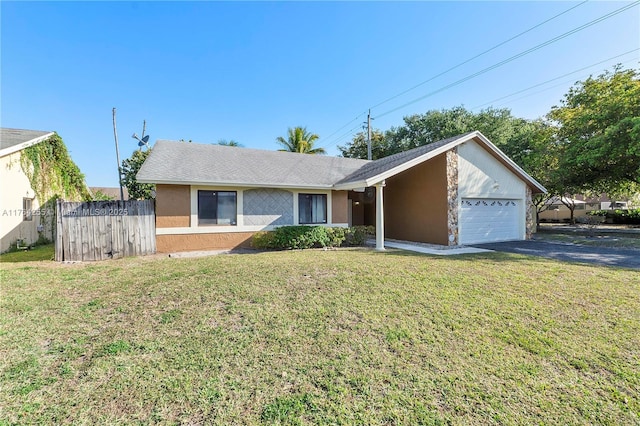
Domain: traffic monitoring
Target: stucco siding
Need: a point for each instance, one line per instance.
(191, 242)
(172, 206)
(339, 207)
(481, 175)
(416, 207)
(15, 187)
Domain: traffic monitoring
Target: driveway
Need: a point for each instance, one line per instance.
(621, 257)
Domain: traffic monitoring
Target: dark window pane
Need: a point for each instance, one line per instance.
(207, 208)
(26, 209)
(226, 208)
(217, 208)
(312, 208)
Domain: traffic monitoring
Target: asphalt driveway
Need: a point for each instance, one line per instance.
(621, 257)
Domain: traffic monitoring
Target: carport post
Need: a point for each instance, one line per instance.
(379, 217)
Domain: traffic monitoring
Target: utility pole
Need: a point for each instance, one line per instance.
(369, 156)
(115, 135)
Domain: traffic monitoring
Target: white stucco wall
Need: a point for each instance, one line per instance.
(14, 186)
(481, 175)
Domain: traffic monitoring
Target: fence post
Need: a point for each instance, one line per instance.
(59, 232)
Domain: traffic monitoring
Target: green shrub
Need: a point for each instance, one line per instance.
(301, 237)
(263, 240)
(357, 235)
(619, 216)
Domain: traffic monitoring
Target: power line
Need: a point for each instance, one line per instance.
(554, 79)
(479, 55)
(350, 132)
(543, 90)
(338, 138)
(514, 57)
(357, 117)
(328, 138)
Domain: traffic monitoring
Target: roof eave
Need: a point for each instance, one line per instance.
(415, 161)
(234, 184)
(23, 145)
(350, 185)
(533, 184)
(530, 181)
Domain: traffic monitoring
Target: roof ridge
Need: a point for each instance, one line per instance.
(259, 150)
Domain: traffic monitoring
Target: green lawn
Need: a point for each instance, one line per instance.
(320, 337)
(45, 252)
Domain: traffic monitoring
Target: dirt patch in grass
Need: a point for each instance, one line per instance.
(320, 337)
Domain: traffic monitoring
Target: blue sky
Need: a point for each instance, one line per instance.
(246, 71)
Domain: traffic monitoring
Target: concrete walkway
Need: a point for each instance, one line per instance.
(434, 249)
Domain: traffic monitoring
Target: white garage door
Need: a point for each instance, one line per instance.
(489, 219)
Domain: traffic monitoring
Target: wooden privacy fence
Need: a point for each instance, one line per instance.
(100, 230)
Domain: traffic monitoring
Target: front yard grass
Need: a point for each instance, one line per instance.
(320, 337)
(43, 252)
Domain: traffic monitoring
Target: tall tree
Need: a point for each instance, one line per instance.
(599, 130)
(231, 142)
(130, 167)
(499, 125)
(299, 140)
(357, 148)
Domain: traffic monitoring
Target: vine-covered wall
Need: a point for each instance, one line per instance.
(52, 172)
(53, 175)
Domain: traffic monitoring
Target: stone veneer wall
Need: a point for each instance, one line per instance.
(530, 224)
(452, 196)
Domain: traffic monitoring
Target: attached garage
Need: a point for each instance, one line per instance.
(485, 220)
(458, 191)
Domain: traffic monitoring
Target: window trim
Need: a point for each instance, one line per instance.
(27, 209)
(234, 222)
(326, 207)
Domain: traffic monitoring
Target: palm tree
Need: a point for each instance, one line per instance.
(299, 140)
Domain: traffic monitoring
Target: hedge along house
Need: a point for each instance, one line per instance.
(461, 190)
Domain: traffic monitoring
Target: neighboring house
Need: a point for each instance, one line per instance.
(20, 215)
(462, 190)
(112, 193)
(557, 210)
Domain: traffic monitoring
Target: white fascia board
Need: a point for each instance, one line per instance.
(234, 184)
(361, 184)
(414, 162)
(431, 154)
(524, 175)
(23, 145)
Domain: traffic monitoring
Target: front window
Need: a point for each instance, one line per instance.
(217, 208)
(27, 213)
(312, 208)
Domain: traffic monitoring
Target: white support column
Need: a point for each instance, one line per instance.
(379, 217)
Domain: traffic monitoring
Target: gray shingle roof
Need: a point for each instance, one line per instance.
(12, 137)
(377, 167)
(193, 163)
